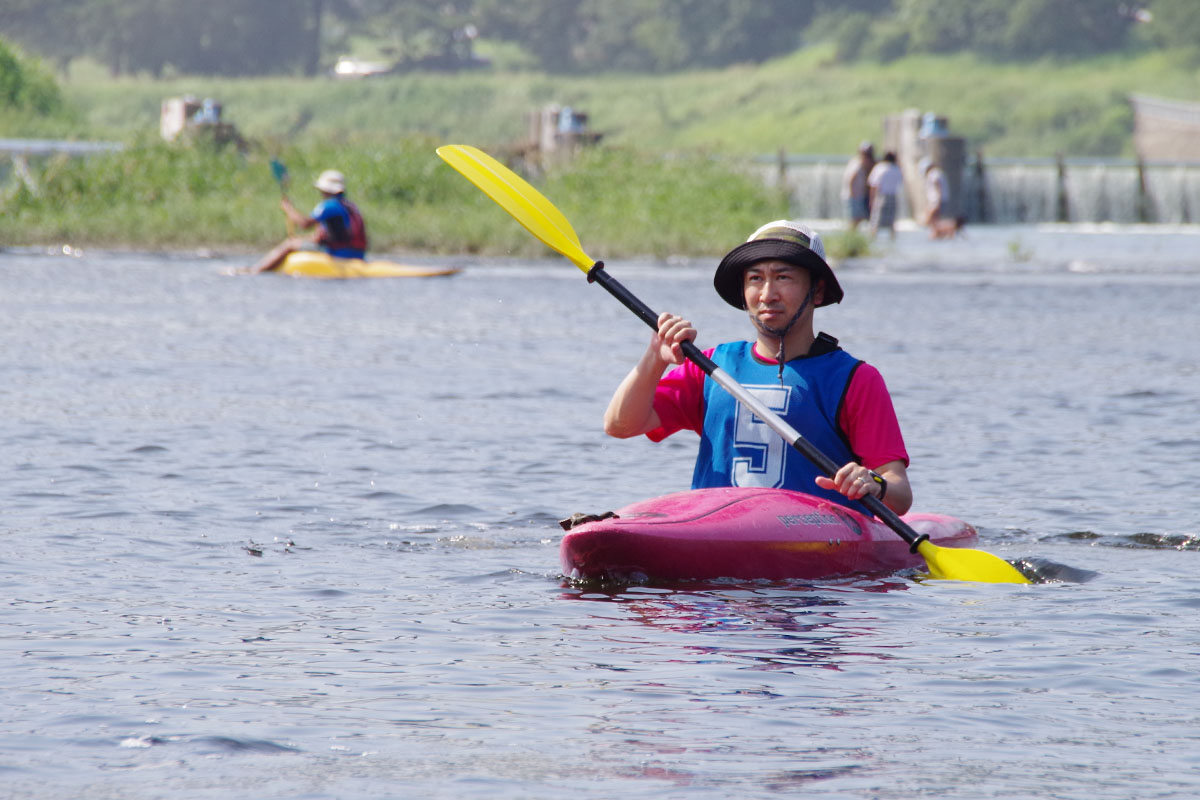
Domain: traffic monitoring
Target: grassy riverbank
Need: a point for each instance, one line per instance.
(626, 199)
(162, 196)
(805, 103)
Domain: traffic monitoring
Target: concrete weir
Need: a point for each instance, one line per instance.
(1002, 190)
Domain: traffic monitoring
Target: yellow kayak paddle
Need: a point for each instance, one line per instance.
(539, 216)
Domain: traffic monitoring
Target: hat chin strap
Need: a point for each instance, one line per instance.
(780, 333)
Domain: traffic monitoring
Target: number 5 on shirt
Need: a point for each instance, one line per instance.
(763, 466)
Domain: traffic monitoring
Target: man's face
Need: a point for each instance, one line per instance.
(775, 290)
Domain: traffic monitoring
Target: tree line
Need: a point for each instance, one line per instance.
(260, 37)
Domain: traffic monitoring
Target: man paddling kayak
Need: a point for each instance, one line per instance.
(779, 276)
(341, 231)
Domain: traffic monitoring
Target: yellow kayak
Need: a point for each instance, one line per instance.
(314, 264)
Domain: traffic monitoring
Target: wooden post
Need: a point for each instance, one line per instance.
(785, 193)
(980, 189)
(1063, 210)
(1143, 199)
(1185, 212)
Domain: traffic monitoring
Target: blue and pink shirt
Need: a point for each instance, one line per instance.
(837, 402)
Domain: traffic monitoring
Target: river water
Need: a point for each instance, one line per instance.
(277, 538)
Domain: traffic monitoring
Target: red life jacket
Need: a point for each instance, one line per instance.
(356, 234)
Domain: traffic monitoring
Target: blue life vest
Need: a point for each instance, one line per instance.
(343, 232)
(739, 449)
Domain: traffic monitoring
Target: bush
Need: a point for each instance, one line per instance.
(850, 36)
(847, 244)
(886, 44)
(25, 86)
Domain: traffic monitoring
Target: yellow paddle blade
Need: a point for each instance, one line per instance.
(960, 564)
(526, 204)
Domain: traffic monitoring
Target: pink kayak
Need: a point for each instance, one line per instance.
(769, 534)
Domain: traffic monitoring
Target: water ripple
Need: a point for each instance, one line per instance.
(243, 524)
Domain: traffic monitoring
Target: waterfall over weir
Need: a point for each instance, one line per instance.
(1013, 191)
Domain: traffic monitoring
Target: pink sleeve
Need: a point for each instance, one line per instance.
(679, 401)
(869, 419)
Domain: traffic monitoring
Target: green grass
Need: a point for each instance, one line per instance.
(164, 196)
(653, 188)
(803, 103)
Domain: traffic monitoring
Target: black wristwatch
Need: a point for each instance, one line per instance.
(875, 476)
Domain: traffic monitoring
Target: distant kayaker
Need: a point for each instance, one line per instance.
(840, 404)
(341, 231)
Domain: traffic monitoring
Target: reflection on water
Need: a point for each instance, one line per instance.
(300, 538)
(793, 625)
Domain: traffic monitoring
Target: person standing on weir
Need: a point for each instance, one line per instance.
(855, 192)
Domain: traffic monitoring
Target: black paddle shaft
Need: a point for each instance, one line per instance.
(597, 274)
